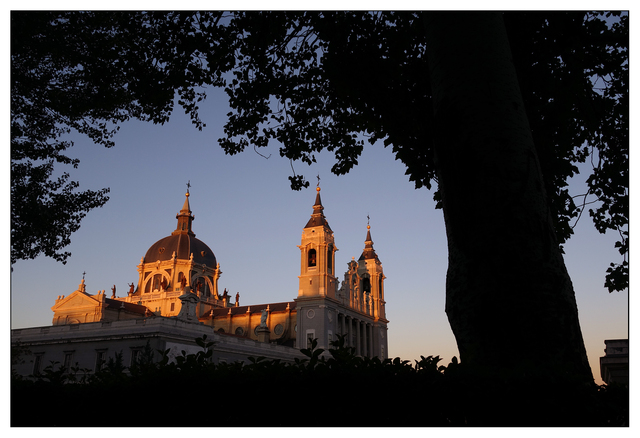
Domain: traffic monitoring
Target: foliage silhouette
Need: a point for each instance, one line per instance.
(256, 393)
(500, 139)
(96, 70)
(88, 72)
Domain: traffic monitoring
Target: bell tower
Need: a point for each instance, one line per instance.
(316, 302)
(317, 256)
(371, 280)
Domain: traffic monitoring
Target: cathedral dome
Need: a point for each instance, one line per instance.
(183, 242)
(184, 245)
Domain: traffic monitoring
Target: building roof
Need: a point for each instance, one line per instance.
(183, 245)
(129, 307)
(254, 308)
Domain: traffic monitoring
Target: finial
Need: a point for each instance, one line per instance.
(368, 227)
(318, 185)
(188, 187)
(83, 275)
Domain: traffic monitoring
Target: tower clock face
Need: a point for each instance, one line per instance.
(311, 313)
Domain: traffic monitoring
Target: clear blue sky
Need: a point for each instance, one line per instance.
(248, 215)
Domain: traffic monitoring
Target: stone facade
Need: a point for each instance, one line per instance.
(177, 300)
(80, 307)
(614, 365)
(90, 345)
(244, 321)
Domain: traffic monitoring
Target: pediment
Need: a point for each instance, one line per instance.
(75, 300)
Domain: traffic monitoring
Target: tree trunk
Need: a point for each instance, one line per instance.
(510, 301)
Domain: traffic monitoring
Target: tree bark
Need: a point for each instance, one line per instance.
(509, 297)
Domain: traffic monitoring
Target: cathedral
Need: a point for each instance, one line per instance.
(177, 300)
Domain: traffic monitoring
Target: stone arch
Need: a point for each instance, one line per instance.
(366, 283)
(195, 277)
(312, 258)
(149, 279)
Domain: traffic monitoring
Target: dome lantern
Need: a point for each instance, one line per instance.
(185, 218)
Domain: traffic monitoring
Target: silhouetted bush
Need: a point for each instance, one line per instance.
(338, 389)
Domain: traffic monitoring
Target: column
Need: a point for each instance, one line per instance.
(352, 339)
(347, 331)
(365, 341)
(358, 344)
(344, 329)
(365, 350)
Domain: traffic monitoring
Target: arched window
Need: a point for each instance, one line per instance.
(181, 278)
(157, 279)
(312, 257)
(201, 287)
(205, 286)
(330, 258)
(366, 285)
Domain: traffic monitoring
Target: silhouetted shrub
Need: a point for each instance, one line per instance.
(338, 389)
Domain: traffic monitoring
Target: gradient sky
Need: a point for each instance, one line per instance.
(248, 215)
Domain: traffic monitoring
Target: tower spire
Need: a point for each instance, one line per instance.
(185, 217)
(368, 252)
(317, 207)
(317, 217)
